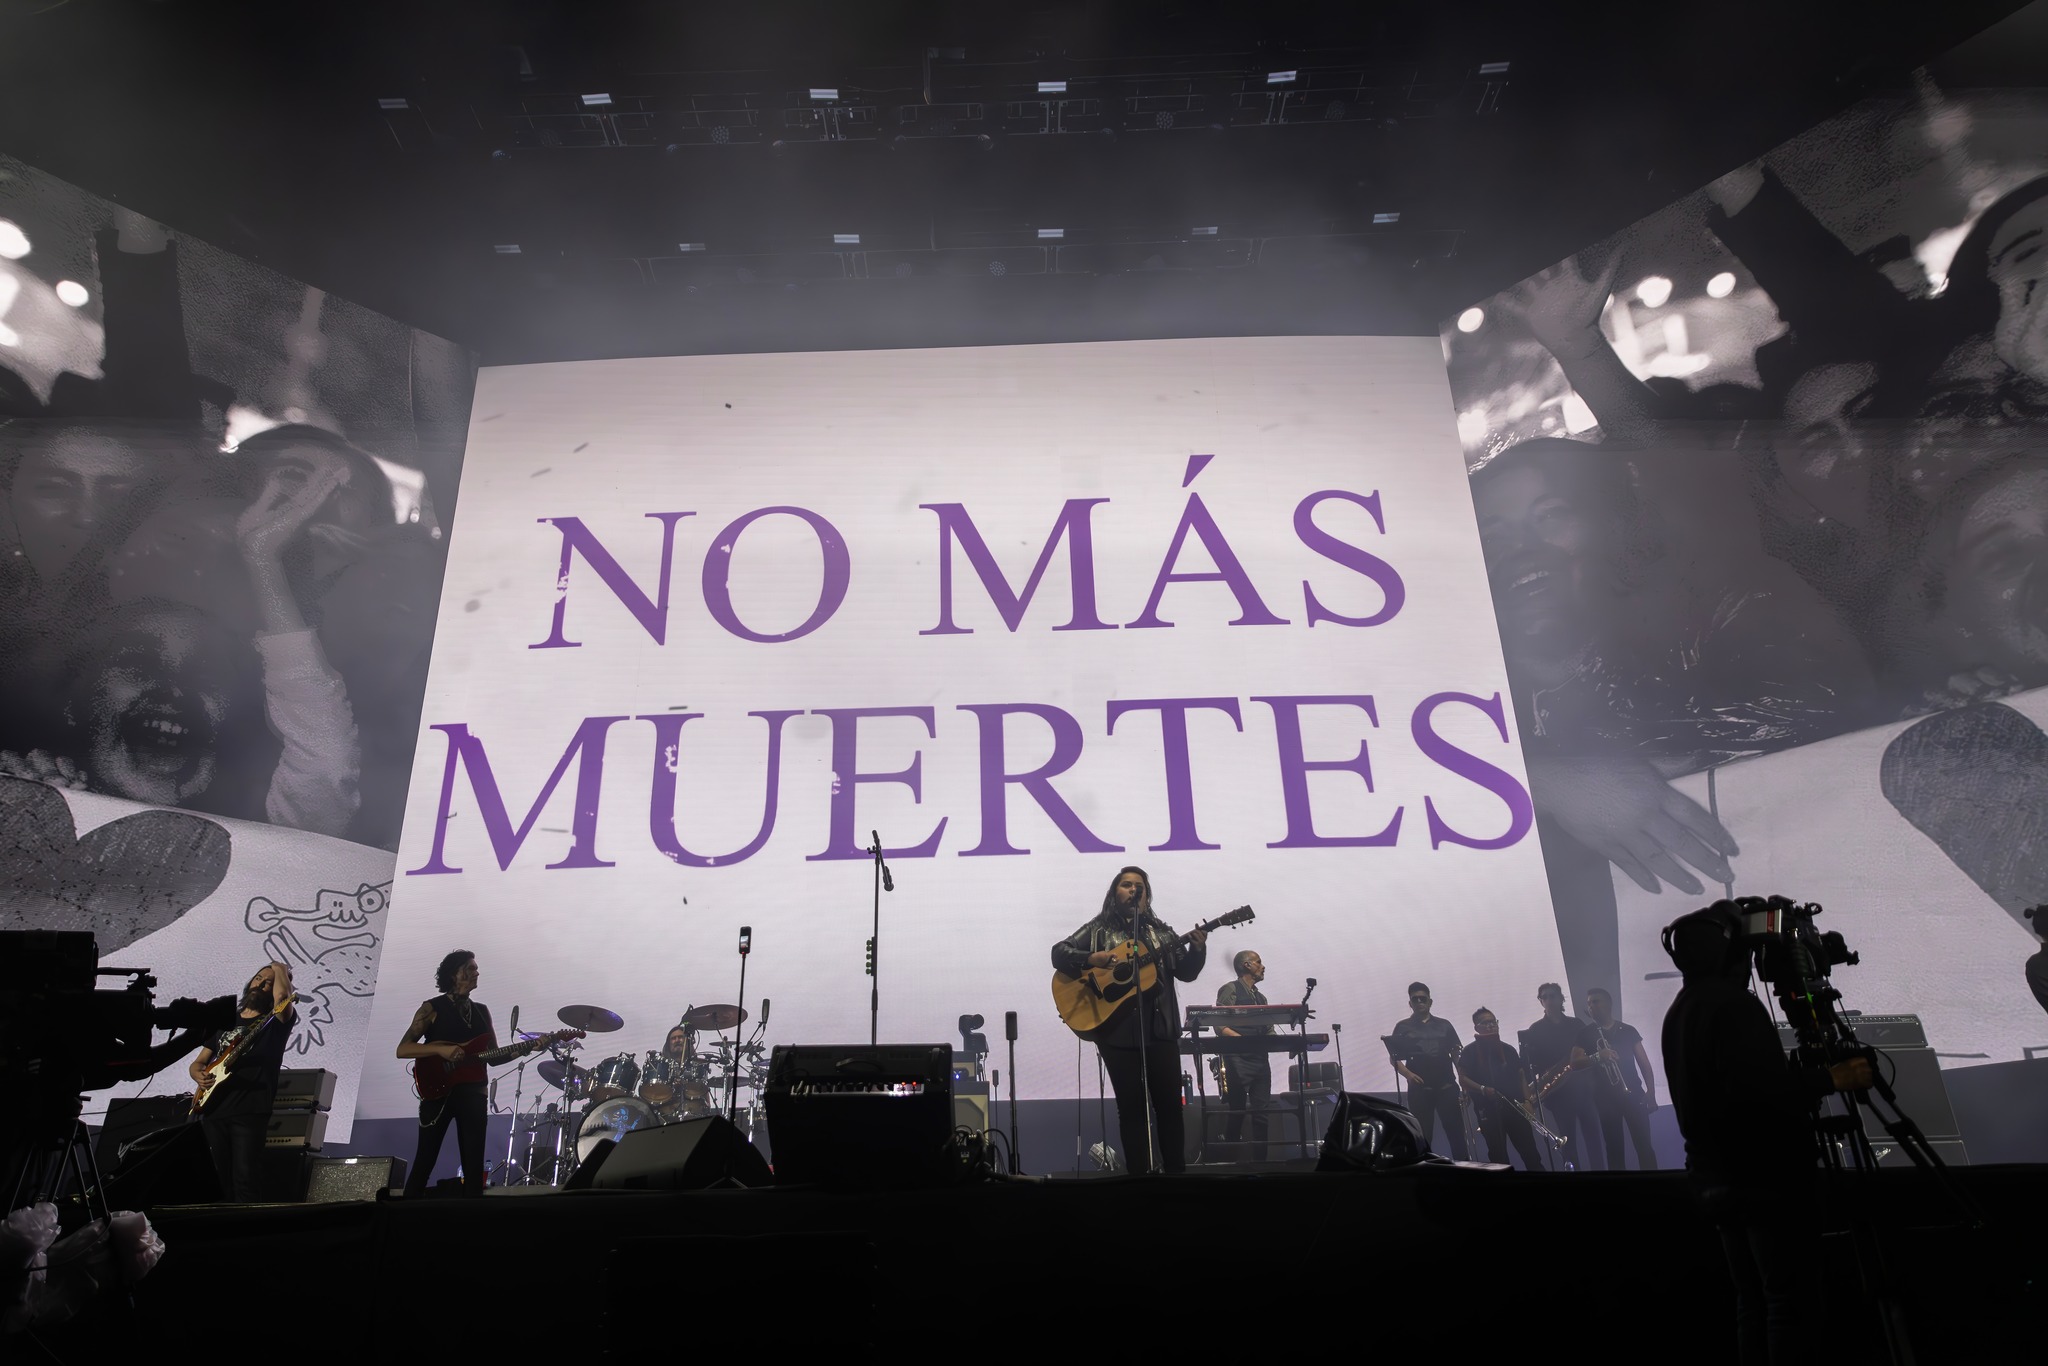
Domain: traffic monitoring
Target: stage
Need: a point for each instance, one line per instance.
(1476, 1260)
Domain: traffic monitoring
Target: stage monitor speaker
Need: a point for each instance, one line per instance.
(691, 1154)
(170, 1166)
(585, 1175)
(337, 1179)
(861, 1114)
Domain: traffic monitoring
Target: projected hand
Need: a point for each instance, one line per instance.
(42, 767)
(1561, 306)
(1964, 688)
(1619, 807)
(287, 502)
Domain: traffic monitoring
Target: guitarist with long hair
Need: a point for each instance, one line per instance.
(236, 1107)
(1153, 1023)
(446, 1027)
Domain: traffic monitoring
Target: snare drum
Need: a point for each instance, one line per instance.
(614, 1077)
(613, 1119)
(657, 1083)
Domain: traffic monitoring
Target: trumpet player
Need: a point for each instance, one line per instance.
(1626, 1090)
(1491, 1072)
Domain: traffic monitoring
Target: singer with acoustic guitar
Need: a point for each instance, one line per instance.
(1150, 1023)
(454, 1042)
(233, 1103)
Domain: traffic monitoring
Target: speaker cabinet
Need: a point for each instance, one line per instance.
(861, 1114)
(337, 1179)
(688, 1155)
(128, 1120)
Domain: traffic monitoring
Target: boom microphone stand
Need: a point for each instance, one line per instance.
(732, 1075)
(883, 883)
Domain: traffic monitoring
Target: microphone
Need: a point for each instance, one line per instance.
(746, 939)
(1010, 1025)
(515, 1022)
(762, 1023)
(494, 1093)
(888, 883)
(1310, 992)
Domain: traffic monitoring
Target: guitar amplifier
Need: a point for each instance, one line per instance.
(335, 1179)
(300, 1129)
(1879, 1031)
(861, 1114)
(304, 1088)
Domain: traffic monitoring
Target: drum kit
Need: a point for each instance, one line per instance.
(581, 1104)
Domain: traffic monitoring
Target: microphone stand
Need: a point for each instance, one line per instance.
(1010, 1029)
(883, 883)
(1144, 1043)
(732, 1078)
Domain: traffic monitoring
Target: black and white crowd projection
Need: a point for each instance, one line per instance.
(1215, 608)
(1761, 491)
(224, 498)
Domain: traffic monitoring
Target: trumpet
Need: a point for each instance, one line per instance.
(1528, 1112)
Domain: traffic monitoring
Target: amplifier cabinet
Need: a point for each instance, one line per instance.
(301, 1129)
(304, 1088)
(861, 1114)
(336, 1179)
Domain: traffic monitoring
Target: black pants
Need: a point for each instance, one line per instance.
(236, 1141)
(1126, 1079)
(1249, 1094)
(1574, 1116)
(466, 1108)
(1439, 1105)
(1614, 1115)
(1776, 1268)
(1501, 1124)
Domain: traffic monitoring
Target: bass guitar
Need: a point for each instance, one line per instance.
(233, 1053)
(433, 1078)
(1088, 1002)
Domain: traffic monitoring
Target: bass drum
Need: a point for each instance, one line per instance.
(613, 1119)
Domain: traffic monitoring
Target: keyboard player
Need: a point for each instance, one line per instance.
(1247, 1078)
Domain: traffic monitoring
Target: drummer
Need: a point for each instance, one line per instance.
(682, 1043)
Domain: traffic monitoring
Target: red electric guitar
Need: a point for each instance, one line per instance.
(432, 1078)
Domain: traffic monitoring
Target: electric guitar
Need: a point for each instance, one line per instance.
(433, 1078)
(232, 1054)
(1090, 1001)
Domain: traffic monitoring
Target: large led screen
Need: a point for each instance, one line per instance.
(1215, 608)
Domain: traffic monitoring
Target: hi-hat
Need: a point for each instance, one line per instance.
(714, 1018)
(596, 1019)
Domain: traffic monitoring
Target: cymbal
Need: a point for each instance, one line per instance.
(715, 1017)
(596, 1019)
(554, 1072)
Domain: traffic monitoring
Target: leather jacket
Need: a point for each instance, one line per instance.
(1161, 1005)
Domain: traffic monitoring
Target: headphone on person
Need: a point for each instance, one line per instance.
(1707, 941)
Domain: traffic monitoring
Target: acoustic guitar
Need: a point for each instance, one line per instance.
(1088, 1003)
(232, 1054)
(433, 1078)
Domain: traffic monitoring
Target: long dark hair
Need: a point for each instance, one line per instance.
(1109, 897)
(1970, 302)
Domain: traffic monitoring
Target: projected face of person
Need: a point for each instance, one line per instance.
(72, 486)
(1824, 456)
(358, 509)
(2018, 270)
(1542, 540)
(1996, 579)
(156, 689)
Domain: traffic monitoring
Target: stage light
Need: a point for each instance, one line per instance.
(72, 292)
(1493, 68)
(825, 92)
(1470, 319)
(1281, 77)
(13, 241)
(1386, 218)
(689, 246)
(1052, 87)
(1205, 232)
(1051, 234)
(845, 239)
(1653, 291)
(392, 104)
(1722, 285)
(594, 101)
(506, 248)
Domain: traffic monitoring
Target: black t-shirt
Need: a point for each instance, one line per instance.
(251, 1083)
(1493, 1062)
(1622, 1038)
(1746, 1116)
(1549, 1042)
(1431, 1044)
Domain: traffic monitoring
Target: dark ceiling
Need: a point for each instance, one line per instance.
(276, 130)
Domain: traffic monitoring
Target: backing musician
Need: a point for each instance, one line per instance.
(238, 1110)
(1153, 1024)
(1625, 1090)
(440, 1028)
(1547, 1053)
(1247, 1077)
(1491, 1072)
(1428, 1059)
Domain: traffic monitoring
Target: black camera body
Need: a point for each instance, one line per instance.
(1795, 958)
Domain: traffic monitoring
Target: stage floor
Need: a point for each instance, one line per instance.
(1275, 1263)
